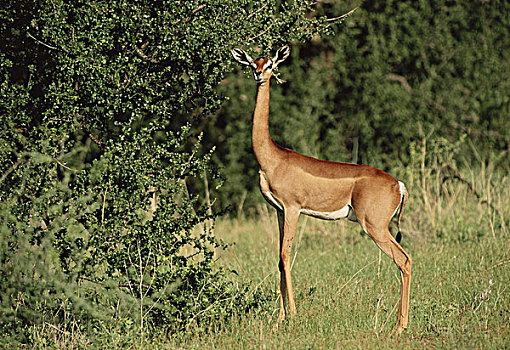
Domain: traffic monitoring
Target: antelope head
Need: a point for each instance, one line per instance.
(262, 68)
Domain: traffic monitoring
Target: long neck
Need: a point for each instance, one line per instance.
(266, 151)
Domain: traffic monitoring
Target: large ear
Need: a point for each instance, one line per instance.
(242, 57)
(281, 55)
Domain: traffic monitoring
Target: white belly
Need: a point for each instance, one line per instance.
(345, 212)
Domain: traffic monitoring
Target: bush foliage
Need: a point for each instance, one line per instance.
(100, 103)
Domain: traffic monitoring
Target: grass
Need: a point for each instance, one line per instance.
(347, 294)
(346, 297)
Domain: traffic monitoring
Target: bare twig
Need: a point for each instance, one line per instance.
(192, 12)
(342, 16)
(48, 46)
(208, 203)
(127, 271)
(379, 298)
(63, 165)
(258, 35)
(104, 202)
(57, 160)
(40, 42)
(261, 282)
(144, 56)
(97, 141)
(390, 314)
(256, 11)
(198, 8)
(56, 146)
(54, 327)
(379, 264)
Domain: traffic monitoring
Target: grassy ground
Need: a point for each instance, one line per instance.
(347, 293)
(346, 297)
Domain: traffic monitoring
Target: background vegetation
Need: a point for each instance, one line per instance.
(124, 135)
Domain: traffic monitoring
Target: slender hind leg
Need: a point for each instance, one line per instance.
(388, 245)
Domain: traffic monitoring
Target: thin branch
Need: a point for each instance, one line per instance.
(63, 165)
(144, 56)
(390, 314)
(127, 272)
(104, 202)
(258, 35)
(263, 280)
(256, 11)
(198, 8)
(97, 142)
(57, 160)
(120, 285)
(54, 327)
(342, 16)
(56, 146)
(54, 8)
(40, 42)
(9, 171)
(192, 12)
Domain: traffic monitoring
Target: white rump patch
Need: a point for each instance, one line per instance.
(402, 189)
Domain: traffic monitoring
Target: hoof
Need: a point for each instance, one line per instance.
(398, 329)
(280, 319)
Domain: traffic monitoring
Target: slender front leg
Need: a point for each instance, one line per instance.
(287, 221)
(283, 289)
